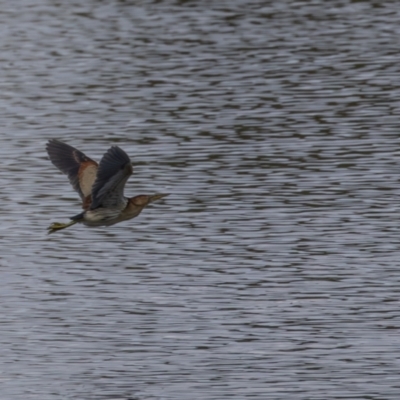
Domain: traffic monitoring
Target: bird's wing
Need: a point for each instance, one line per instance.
(114, 170)
(80, 169)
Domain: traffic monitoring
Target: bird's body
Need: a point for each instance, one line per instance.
(100, 186)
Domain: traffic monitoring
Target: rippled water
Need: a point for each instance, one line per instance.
(272, 270)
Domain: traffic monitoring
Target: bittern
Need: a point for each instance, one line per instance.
(100, 186)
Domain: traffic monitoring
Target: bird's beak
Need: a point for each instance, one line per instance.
(157, 196)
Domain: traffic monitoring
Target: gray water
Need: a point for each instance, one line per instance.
(272, 270)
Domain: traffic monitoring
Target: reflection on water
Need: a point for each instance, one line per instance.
(271, 271)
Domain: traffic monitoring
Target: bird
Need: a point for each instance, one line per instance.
(100, 186)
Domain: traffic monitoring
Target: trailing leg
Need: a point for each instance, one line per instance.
(57, 226)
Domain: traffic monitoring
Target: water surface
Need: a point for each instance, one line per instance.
(272, 269)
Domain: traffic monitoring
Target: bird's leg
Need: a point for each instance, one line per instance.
(57, 226)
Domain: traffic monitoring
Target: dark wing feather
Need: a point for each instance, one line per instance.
(80, 169)
(114, 170)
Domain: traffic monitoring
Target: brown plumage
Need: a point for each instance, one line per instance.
(100, 186)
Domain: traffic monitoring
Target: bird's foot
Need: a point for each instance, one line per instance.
(57, 226)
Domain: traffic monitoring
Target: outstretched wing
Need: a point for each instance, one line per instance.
(80, 169)
(114, 170)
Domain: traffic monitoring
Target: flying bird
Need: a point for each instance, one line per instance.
(100, 186)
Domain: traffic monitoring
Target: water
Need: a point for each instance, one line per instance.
(271, 271)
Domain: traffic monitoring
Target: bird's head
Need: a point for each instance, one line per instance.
(143, 199)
